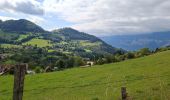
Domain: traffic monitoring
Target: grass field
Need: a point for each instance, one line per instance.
(22, 37)
(9, 46)
(87, 43)
(39, 42)
(146, 78)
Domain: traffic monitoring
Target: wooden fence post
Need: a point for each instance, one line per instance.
(19, 75)
(123, 93)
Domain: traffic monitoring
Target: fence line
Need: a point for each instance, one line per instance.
(92, 84)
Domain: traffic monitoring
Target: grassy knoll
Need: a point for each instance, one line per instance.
(39, 42)
(146, 78)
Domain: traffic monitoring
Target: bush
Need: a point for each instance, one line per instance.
(37, 69)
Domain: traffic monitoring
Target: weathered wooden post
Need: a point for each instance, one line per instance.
(19, 75)
(123, 93)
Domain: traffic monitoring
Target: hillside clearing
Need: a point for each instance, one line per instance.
(23, 36)
(38, 42)
(9, 46)
(146, 78)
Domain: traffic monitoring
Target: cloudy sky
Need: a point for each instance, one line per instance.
(97, 17)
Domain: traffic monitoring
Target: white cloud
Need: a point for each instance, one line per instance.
(3, 18)
(22, 9)
(109, 17)
(23, 6)
(97, 17)
(36, 19)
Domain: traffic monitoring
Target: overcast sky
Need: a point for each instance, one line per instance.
(97, 17)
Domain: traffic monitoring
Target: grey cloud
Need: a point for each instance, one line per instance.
(29, 8)
(26, 7)
(127, 17)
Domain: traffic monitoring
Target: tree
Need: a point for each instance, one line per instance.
(101, 61)
(120, 57)
(78, 61)
(144, 52)
(129, 55)
(37, 69)
(60, 64)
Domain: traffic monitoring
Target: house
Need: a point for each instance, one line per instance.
(90, 63)
(30, 72)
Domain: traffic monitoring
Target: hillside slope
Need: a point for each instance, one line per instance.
(146, 78)
(66, 40)
(82, 41)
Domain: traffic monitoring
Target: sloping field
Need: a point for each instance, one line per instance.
(39, 42)
(146, 78)
(10, 46)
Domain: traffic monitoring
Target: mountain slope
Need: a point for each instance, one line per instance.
(65, 40)
(21, 25)
(135, 42)
(85, 40)
(72, 34)
(145, 78)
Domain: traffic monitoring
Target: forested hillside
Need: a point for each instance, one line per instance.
(25, 42)
(18, 26)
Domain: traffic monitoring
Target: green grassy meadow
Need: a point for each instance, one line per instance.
(39, 42)
(146, 78)
(22, 37)
(87, 43)
(9, 46)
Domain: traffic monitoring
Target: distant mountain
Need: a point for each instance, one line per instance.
(135, 42)
(21, 25)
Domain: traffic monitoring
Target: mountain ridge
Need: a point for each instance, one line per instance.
(134, 42)
(21, 25)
